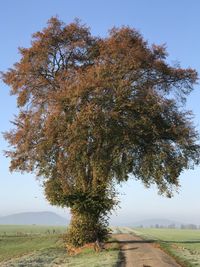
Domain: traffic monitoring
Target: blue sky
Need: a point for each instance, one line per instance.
(174, 22)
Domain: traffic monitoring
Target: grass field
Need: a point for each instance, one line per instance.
(184, 245)
(42, 246)
(11, 230)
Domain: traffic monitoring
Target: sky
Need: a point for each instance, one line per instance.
(171, 22)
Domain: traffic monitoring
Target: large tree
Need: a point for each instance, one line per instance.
(96, 111)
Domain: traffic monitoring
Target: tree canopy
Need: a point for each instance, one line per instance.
(94, 111)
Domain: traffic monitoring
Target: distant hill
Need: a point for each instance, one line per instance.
(39, 218)
(153, 222)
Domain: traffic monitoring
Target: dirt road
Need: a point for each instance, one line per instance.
(140, 253)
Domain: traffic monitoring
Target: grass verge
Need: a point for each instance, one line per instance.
(168, 248)
(49, 251)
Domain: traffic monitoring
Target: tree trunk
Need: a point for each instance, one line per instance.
(86, 228)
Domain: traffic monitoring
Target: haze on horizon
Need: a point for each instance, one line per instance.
(159, 23)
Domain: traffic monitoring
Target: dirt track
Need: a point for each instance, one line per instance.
(140, 253)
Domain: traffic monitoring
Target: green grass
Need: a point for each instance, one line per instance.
(9, 230)
(184, 245)
(57, 257)
(15, 246)
(171, 234)
(40, 246)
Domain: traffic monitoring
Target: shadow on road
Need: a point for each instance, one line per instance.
(121, 262)
(135, 241)
(132, 241)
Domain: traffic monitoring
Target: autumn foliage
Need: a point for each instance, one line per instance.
(94, 112)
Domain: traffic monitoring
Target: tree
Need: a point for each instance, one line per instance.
(94, 112)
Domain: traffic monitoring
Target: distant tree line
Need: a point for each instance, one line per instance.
(172, 226)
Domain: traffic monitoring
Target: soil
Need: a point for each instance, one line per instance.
(136, 252)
